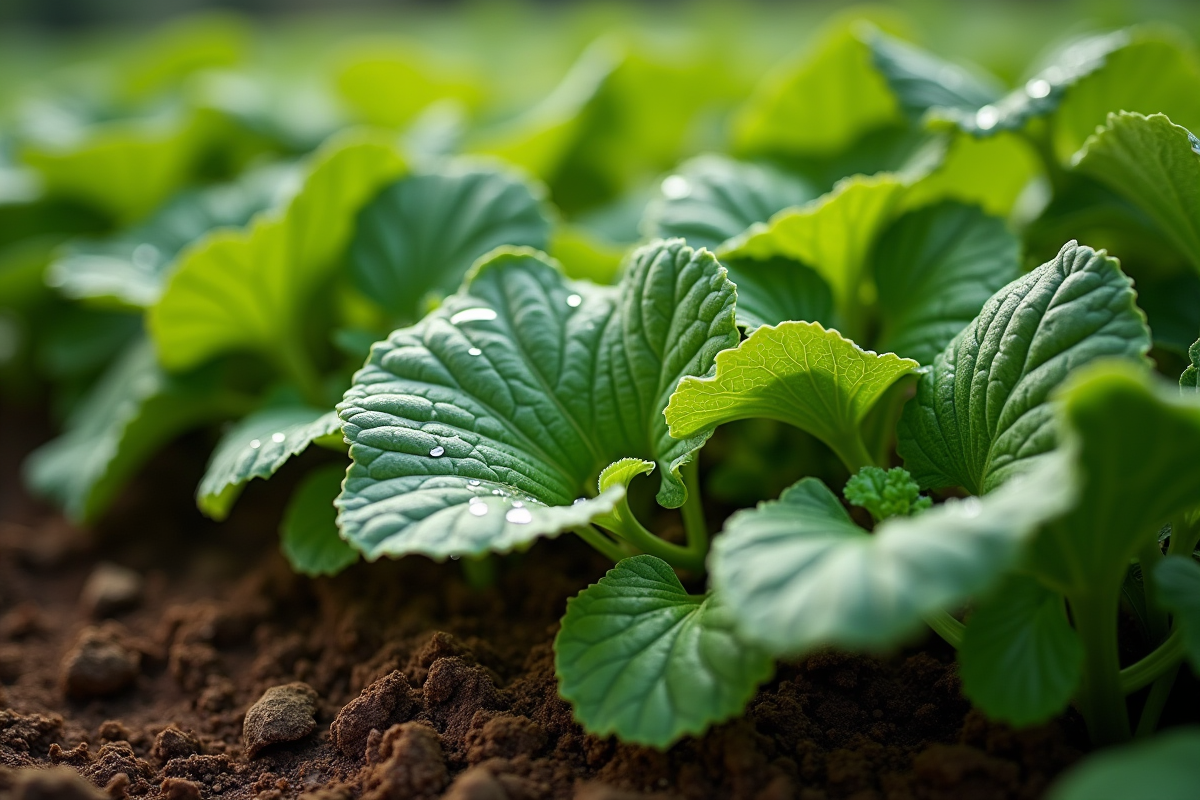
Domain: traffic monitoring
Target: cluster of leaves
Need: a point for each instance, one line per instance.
(529, 352)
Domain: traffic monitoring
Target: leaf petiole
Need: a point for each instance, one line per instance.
(1157, 663)
(1102, 695)
(601, 543)
(946, 627)
(693, 510)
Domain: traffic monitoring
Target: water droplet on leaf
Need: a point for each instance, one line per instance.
(519, 516)
(573, 300)
(986, 118)
(278, 437)
(474, 351)
(478, 509)
(676, 187)
(473, 482)
(255, 444)
(473, 315)
(1037, 88)
(437, 451)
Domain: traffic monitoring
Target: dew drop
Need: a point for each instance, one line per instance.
(518, 504)
(578, 500)
(255, 444)
(145, 256)
(474, 351)
(473, 482)
(986, 118)
(473, 315)
(437, 451)
(455, 558)
(676, 187)
(499, 492)
(1037, 88)
(278, 437)
(519, 516)
(478, 509)
(573, 300)
(971, 506)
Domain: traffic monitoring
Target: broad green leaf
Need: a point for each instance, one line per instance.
(1020, 659)
(798, 573)
(1178, 583)
(921, 80)
(520, 388)
(585, 256)
(819, 105)
(133, 411)
(1154, 73)
(713, 198)
(125, 168)
(1156, 165)
(1165, 767)
(309, 534)
(166, 56)
(1114, 415)
(256, 448)
(639, 657)
(983, 410)
(416, 240)
(778, 290)
(990, 172)
(249, 289)
(798, 373)
(1189, 381)
(128, 270)
(832, 234)
(934, 269)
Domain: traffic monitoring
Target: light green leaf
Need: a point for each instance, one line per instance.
(798, 373)
(712, 198)
(417, 238)
(621, 473)
(921, 80)
(1156, 165)
(639, 657)
(1178, 585)
(521, 388)
(934, 269)
(798, 573)
(1114, 415)
(778, 290)
(128, 270)
(585, 256)
(256, 448)
(1166, 767)
(832, 234)
(133, 410)
(249, 289)
(991, 173)
(1156, 72)
(309, 535)
(819, 105)
(982, 411)
(1020, 659)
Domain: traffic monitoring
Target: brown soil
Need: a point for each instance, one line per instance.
(420, 687)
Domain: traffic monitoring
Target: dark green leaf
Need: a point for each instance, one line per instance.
(309, 534)
(639, 657)
(1178, 584)
(777, 290)
(1166, 767)
(921, 80)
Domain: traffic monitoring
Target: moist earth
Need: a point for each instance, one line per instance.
(160, 655)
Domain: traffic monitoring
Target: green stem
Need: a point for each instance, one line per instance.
(634, 532)
(946, 627)
(1101, 697)
(479, 571)
(693, 510)
(1156, 701)
(1159, 661)
(1156, 616)
(606, 546)
(853, 453)
(294, 361)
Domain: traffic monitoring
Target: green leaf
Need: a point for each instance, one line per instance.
(256, 448)
(934, 269)
(832, 234)
(1166, 767)
(639, 657)
(885, 493)
(621, 473)
(819, 105)
(1189, 381)
(133, 410)
(797, 573)
(249, 289)
(1178, 585)
(1020, 659)
(713, 198)
(991, 173)
(1114, 415)
(798, 373)
(309, 535)
(416, 240)
(982, 411)
(389, 82)
(1156, 165)
(921, 80)
(778, 290)
(128, 270)
(522, 387)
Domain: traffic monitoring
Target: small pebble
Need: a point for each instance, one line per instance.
(283, 714)
(174, 743)
(110, 589)
(99, 665)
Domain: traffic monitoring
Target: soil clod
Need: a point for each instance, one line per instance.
(407, 762)
(99, 664)
(386, 702)
(283, 714)
(174, 743)
(109, 590)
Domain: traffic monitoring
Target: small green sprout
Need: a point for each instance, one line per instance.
(886, 493)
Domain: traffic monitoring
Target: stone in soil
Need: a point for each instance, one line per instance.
(386, 702)
(99, 664)
(283, 714)
(109, 590)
